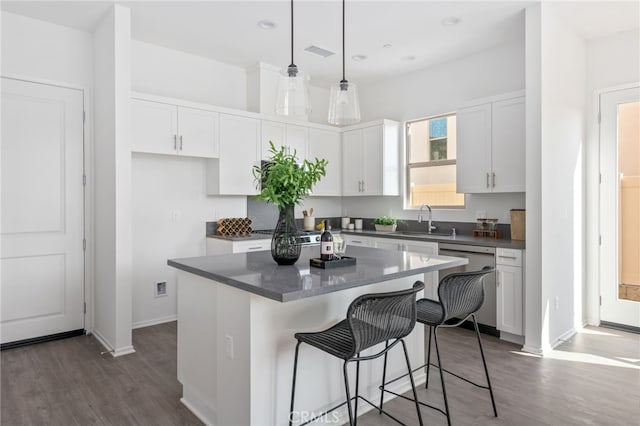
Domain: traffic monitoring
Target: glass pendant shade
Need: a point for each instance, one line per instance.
(344, 107)
(293, 94)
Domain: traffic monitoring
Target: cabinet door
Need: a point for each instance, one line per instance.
(508, 145)
(198, 133)
(509, 299)
(298, 140)
(326, 144)
(356, 240)
(388, 244)
(372, 164)
(154, 127)
(352, 169)
(473, 150)
(431, 278)
(239, 137)
(274, 132)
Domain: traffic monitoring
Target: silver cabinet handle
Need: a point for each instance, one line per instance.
(254, 248)
(356, 242)
(362, 186)
(493, 180)
(487, 179)
(507, 257)
(180, 142)
(175, 142)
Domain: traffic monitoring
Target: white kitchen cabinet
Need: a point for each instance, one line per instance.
(491, 146)
(357, 240)
(326, 144)
(163, 128)
(373, 151)
(221, 246)
(509, 286)
(232, 173)
(294, 137)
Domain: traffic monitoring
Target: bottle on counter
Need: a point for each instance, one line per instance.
(326, 242)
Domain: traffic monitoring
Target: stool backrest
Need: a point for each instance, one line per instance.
(462, 293)
(377, 317)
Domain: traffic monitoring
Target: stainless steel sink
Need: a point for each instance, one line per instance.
(423, 234)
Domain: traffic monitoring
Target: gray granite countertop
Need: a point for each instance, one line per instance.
(459, 239)
(256, 272)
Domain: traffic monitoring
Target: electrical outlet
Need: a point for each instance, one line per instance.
(228, 346)
(160, 288)
(556, 302)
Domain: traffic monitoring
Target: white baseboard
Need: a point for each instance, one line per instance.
(533, 350)
(567, 335)
(155, 321)
(109, 348)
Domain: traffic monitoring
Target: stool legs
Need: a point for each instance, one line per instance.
(384, 377)
(444, 390)
(426, 384)
(413, 385)
(484, 363)
(293, 383)
(346, 388)
(355, 411)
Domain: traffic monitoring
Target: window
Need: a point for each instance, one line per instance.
(431, 163)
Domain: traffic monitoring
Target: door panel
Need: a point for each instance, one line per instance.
(42, 210)
(616, 173)
(154, 127)
(198, 132)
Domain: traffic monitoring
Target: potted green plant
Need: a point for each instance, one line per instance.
(385, 224)
(285, 181)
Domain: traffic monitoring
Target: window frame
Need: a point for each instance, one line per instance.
(408, 165)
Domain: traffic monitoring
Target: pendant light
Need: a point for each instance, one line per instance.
(293, 92)
(344, 107)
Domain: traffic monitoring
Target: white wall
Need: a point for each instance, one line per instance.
(112, 181)
(437, 90)
(163, 185)
(34, 49)
(611, 61)
(564, 79)
(167, 72)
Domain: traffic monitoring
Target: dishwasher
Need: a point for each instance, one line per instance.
(479, 257)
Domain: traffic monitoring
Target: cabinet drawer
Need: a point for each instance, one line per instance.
(508, 257)
(254, 245)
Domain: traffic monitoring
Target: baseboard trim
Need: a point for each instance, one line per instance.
(155, 321)
(123, 351)
(621, 327)
(564, 337)
(41, 339)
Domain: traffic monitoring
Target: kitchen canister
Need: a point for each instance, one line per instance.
(358, 223)
(344, 223)
(309, 223)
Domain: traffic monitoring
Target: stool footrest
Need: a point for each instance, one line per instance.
(356, 398)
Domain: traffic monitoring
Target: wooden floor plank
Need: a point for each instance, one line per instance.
(594, 379)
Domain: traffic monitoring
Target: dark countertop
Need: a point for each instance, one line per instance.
(256, 272)
(458, 239)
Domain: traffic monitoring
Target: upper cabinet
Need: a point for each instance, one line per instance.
(373, 149)
(292, 136)
(326, 144)
(163, 128)
(491, 146)
(232, 174)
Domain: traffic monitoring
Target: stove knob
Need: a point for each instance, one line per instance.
(317, 238)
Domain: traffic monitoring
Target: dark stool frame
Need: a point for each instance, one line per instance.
(461, 295)
(371, 319)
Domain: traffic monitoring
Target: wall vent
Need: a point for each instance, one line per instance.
(319, 51)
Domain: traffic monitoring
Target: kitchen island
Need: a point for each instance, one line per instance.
(237, 315)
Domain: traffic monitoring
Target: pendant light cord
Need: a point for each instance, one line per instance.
(343, 73)
(292, 32)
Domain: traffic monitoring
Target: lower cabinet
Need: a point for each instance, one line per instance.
(220, 246)
(356, 240)
(509, 286)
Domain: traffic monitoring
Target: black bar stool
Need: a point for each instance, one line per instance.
(461, 295)
(371, 319)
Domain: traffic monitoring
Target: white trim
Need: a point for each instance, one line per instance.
(564, 337)
(533, 350)
(103, 341)
(123, 351)
(617, 88)
(155, 321)
(494, 98)
(30, 79)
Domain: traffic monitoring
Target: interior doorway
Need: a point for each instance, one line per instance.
(620, 207)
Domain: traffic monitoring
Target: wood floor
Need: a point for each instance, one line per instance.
(594, 379)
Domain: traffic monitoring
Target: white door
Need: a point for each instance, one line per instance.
(42, 227)
(508, 145)
(198, 132)
(620, 207)
(473, 151)
(298, 141)
(271, 131)
(326, 144)
(154, 127)
(372, 163)
(352, 169)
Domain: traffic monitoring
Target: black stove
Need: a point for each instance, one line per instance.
(306, 238)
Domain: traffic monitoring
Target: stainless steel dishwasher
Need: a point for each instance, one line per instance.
(479, 256)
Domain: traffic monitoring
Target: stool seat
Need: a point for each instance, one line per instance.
(337, 340)
(429, 311)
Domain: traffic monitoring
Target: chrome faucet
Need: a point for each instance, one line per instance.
(431, 227)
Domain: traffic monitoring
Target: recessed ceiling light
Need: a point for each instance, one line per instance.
(386, 46)
(409, 58)
(265, 24)
(450, 21)
(359, 57)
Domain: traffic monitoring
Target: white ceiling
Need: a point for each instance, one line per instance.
(227, 31)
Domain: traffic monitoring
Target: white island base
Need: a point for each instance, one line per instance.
(235, 354)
